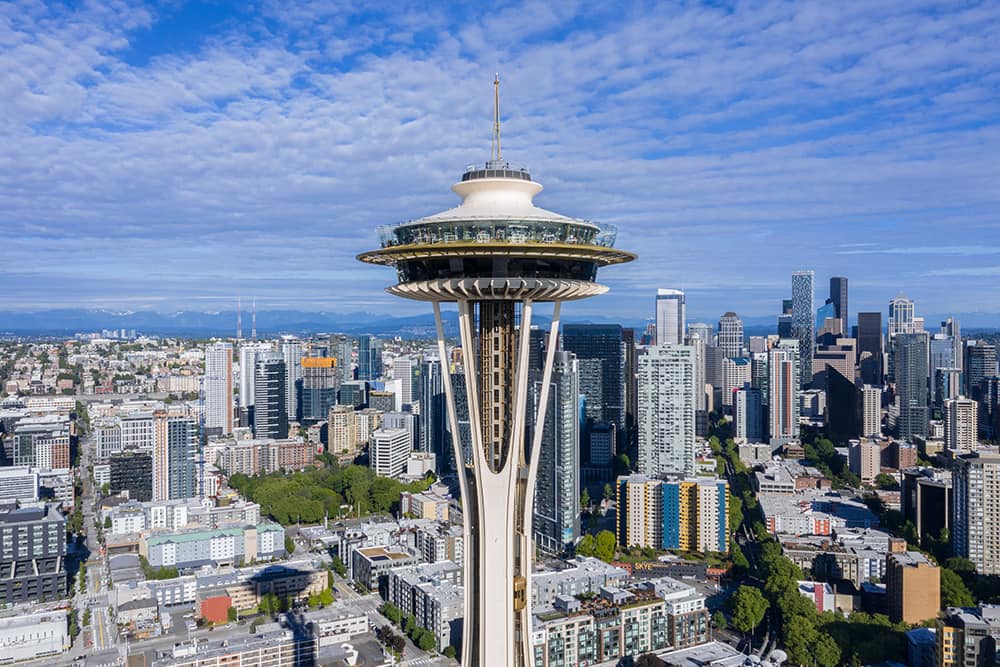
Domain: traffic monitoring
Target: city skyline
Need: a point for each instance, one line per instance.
(161, 158)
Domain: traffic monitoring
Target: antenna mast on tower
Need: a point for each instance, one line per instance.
(496, 155)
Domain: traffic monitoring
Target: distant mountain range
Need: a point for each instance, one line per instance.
(69, 321)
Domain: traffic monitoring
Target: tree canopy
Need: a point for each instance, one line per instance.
(748, 607)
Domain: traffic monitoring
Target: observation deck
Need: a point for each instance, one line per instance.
(497, 244)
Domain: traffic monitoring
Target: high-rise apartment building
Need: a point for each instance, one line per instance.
(32, 554)
(369, 357)
(838, 296)
(802, 322)
(249, 352)
(292, 351)
(730, 338)
(975, 532)
(947, 384)
(748, 415)
(270, 397)
(912, 394)
(735, 374)
(783, 391)
(901, 316)
(682, 514)
(961, 419)
(602, 343)
(219, 389)
(864, 458)
(871, 398)
(869, 337)
(557, 499)
(670, 316)
(404, 370)
(388, 450)
(666, 395)
(175, 454)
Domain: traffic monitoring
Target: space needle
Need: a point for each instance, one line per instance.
(496, 255)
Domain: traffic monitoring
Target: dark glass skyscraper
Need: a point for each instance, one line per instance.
(602, 342)
(869, 335)
(838, 296)
(911, 353)
(270, 408)
(369, 357)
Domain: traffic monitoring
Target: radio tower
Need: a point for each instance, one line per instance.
(497, 255)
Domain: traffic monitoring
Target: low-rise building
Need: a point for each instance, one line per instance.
(434, 594)
(373, 564)
(272, 646)
(581, 575)
(337, 624)
(32, 636)
(185, 549)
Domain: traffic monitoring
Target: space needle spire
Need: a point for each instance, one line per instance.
(496, 255)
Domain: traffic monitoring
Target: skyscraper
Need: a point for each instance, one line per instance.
(838, 295)
(975, 519)
(369, 357)
(911, 355)
(670, 316)
(432, 412)
(783, 391)
(292, 351)
(318, 389)
(404, 369)
(666, 395)
(603, 344)
(270, 397)
(219, 388)
(497, 255)
(802, 322)
(341, 348)
(248, 365)
(869, 338)
(557, 498)
(730, 339)
(961, 419)
(901, 316)
(980, 363)
(748, 415)
(175, 450)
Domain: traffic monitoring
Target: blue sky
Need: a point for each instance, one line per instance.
(174, 156)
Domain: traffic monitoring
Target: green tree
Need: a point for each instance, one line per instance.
(289, 545)
(622, 465)
(954, 592)
(107, 523)
(826, 651)
(605, 546)
(391, 612)
(232, 614)
(747, 606)
(326, 597)
(886, 482)
(426, 641)
(450, 652)
(800, 636)
(586, 546)
(339, 567)
(719, 620)
(86, 617)
(609, 492)
(585, 499)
